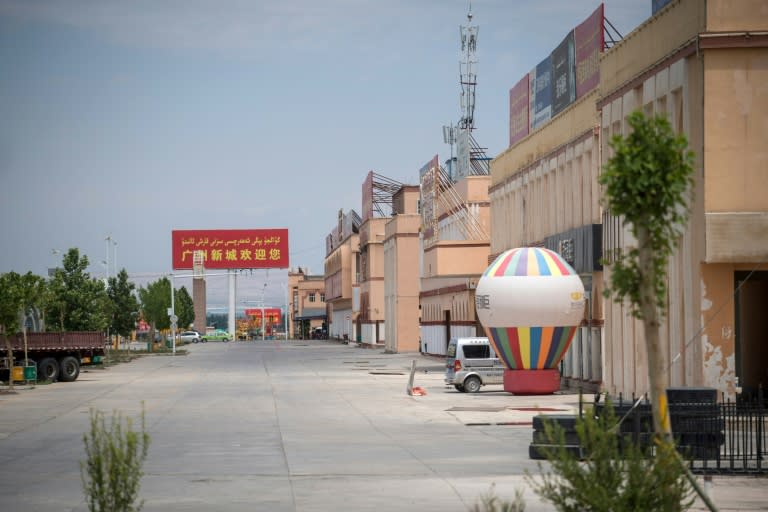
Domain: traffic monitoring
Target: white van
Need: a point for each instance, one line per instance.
(471, 363)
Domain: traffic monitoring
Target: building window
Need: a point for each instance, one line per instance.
(322, 297)
(311, 296)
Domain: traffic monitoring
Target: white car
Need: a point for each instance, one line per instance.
(191, 337)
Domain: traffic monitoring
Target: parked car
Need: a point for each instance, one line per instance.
(217, 335)
(191, 337)
(471, 363)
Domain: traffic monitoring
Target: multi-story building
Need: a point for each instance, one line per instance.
(704, 66)
(455, 225)
(544, 189)
(402, 252)
(307, 306)
(342, 264)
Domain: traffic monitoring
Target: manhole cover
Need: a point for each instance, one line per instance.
(536, 409)
(476, 409)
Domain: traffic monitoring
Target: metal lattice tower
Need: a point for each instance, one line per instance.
(468, 72)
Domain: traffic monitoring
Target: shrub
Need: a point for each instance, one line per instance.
(615, 475)
(112, 471)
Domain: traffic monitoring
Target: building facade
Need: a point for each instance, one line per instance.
(307, 306)
(342, 276)
(704, 66)
(402, 252)
(456, 247)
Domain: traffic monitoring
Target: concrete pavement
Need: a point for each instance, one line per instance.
(295, 426)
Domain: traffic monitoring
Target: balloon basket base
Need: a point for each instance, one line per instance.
(532, 382)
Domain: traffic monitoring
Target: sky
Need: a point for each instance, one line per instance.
(130, 119)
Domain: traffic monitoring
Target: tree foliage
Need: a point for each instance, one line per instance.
(647, 183)
(155, 300)
(125, 305)
(78, 301)
(10, 302)
(184, 308)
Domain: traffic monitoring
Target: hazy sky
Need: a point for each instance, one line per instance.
(131, 119)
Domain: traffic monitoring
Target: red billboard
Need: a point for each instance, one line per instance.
(231, 248)
(589, 40)
(272, 314)
(519, 106)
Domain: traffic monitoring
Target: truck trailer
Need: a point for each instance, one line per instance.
(56, 355)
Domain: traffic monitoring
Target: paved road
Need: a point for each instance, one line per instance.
(284, 426)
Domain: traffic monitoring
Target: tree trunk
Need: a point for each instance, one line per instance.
(657, 368)
(9, 350)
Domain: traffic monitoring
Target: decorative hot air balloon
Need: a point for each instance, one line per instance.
(530, 302)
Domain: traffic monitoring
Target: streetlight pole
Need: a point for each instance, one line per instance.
(174, 318)
(107, 241)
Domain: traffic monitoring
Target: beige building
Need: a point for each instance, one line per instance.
(455, 226)
(704, 65)
(372, 307)
(544, 192)
(307, 306)
(342, 276)
(402, 252)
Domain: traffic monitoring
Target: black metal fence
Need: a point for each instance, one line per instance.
(726, 436)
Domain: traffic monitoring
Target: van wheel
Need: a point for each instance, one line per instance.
(472, 384)
(460, 388)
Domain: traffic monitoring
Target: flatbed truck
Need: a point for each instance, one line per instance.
(55, 355)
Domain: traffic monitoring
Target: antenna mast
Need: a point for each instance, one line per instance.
(468, 72)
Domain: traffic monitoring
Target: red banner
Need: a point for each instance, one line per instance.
(518, 111)
(272, 314)
(588, 38)
(231, 248)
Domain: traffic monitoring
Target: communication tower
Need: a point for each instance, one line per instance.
(468, 72)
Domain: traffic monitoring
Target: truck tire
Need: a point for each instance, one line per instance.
(70, 368)
(48, 369)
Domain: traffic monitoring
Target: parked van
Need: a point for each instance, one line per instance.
(471, 363)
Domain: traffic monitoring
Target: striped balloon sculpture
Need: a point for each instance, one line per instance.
(530, 302)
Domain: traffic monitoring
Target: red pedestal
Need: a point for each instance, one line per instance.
(531, 382)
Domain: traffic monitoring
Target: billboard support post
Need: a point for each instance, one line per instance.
(232, 293)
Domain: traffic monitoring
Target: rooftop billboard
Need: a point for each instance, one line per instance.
(569, 72)
(231, 248)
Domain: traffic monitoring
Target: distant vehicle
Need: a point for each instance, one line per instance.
(318, 333)
(191, 337)
(217, 335)
(471, 363)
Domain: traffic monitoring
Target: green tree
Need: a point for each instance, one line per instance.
(32, 293)
(648, 183)
(78, 301)
(125, 305)
(10, 308)
(184, 307)
(155, 300)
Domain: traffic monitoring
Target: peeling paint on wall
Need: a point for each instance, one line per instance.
(718, 370)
